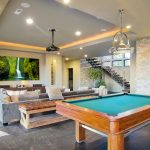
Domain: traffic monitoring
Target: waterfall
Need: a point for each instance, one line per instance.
(18, 69)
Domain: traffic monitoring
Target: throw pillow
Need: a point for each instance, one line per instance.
(14, 98)
(7, 99)
(4, 97)
(54, 93)
(38, 91)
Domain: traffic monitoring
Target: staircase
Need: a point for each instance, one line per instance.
(95, 63)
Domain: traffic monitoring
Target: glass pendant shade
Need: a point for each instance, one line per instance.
(121, 42)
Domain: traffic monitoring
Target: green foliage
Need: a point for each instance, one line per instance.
(100, 83)
(95, 73)
(29, 68)
(22, 64)
(12, 63)
(4, 68)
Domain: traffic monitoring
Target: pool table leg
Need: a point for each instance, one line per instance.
(116, 141)
(80, 132)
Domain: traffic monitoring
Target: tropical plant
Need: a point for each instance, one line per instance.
(95, 74)
(100, 83)
(28, 67)
(4, 68)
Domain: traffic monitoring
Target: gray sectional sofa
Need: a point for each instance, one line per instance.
(9, 112)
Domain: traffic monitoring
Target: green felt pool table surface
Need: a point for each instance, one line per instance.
(113, 105)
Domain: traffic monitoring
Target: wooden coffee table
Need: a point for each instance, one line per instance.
(27, 111)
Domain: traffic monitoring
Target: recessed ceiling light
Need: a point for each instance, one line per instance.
(81, 47)
(85, 55)
(66, 1)
(67, 58)
(18, 11)
(78, 33)
(128, 26)
(25, 5)
(29, 21)
(103, 30)
(58, 53)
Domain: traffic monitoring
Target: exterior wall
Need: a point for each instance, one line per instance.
(75, 64)
(143, 67)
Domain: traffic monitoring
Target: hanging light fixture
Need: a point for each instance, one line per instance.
(121, 42)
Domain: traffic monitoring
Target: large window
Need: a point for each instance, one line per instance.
(107, 64)
(118, 63)
(127, 55)
(106, 58)
(118, 60)
(127, 63)
(118, 56)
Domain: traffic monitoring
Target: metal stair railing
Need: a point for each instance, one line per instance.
(97, 63)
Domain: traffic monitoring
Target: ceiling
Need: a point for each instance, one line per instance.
(98, 49)
(86, 15)
(136, 12)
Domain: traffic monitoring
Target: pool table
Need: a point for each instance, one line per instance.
(112, 115)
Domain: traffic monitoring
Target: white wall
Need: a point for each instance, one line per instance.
(123, 72)
(57, 62)
(112, 85)
(45, 61)
(39, 56)
(75, 64)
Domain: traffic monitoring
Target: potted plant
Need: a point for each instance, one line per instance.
(100, 83)
(95, 74)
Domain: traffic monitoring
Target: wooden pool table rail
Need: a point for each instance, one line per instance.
(99, 121)
(114, 126)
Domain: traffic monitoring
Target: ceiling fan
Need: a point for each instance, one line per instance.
(52, 47)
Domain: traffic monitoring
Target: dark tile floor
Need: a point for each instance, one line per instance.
(61, 137)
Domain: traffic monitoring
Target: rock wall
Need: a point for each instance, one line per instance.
(143, 67)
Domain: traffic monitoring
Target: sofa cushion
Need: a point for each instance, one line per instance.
(54, 93)
(4, 86)
(17, 93)
(43, 96)
(83, 88)
(29, 95)
(85, 92)
(71, 93)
